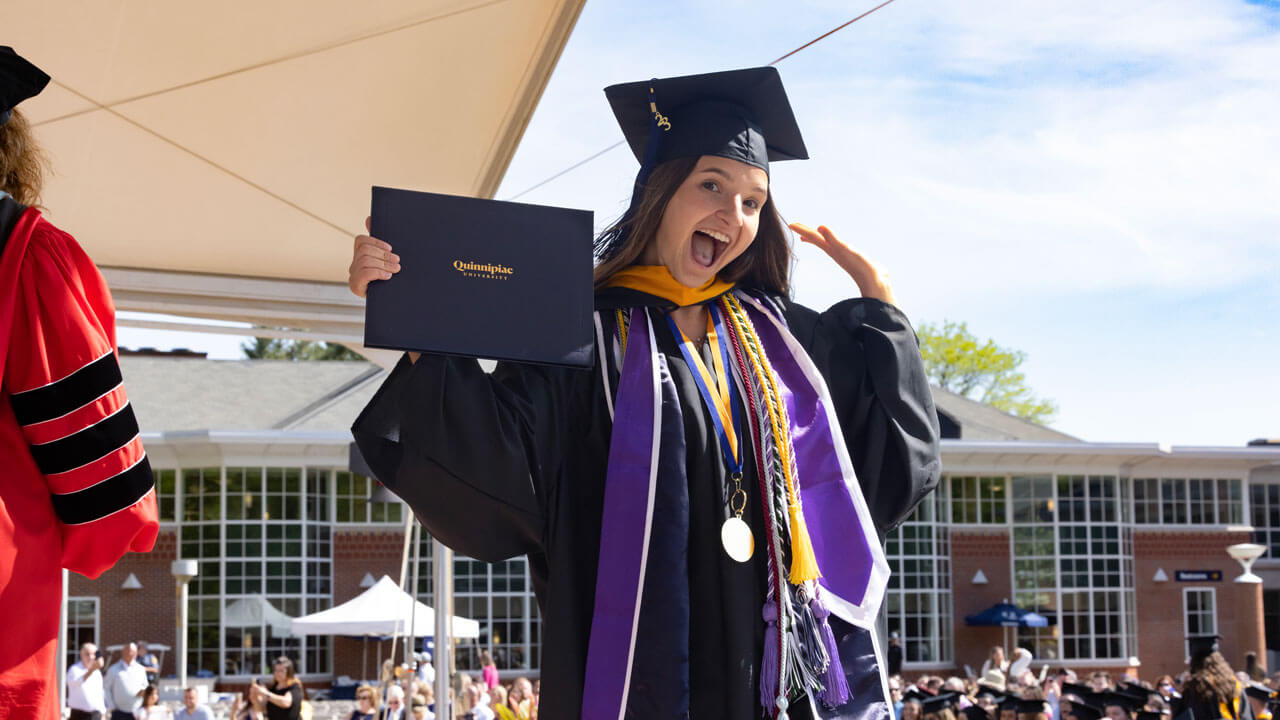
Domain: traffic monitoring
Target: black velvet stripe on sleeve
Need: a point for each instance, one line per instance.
(71, 392)
(109, 496)
(97, 440)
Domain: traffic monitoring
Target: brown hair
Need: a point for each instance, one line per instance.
(765, 264)
(290, 678)
(22, 164)
(1213, 681)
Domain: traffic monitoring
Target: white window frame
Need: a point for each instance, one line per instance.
(1160, 477)
(74, 652)
(1186, 628)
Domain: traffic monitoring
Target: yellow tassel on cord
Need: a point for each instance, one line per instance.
(804, 566)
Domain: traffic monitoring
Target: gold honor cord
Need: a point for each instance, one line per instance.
(666, 124)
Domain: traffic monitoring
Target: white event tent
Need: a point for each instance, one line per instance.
(382, 610)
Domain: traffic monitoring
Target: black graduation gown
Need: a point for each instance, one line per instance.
(1191, 707)
(514, 462)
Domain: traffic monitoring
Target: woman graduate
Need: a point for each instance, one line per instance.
(703, 510)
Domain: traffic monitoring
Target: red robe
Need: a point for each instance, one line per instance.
(76, 490)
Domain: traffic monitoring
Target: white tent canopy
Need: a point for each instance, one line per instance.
(383, 609)
(256, 611)
(215, 159)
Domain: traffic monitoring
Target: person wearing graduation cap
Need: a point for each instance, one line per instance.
(704, 510)
(1261, 699)
(1212, 691)
(78, 491)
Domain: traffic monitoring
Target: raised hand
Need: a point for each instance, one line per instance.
(371, 260)
(871, 280)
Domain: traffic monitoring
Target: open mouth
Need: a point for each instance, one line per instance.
(707, 246)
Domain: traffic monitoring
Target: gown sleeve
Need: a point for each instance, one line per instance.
(870, 358)
(67, 394)
(474, 454)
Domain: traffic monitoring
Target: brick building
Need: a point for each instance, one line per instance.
(1122, 546)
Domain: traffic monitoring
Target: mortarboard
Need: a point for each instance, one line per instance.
(939, 702)
(1201, 647)
(975, 712)
(1009, 703)
(19, 80)
(743, 115)
(915, 694)
(1032, 706)
(1259, 691)
(1123, 700)
(988, 691)
(1086, 712)
(1080, 691)
(739, 114)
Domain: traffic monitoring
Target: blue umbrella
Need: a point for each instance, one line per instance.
(1006, 615)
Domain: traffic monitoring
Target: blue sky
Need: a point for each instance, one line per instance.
(1093, 183)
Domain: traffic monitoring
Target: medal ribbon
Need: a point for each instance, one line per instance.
(725, 413)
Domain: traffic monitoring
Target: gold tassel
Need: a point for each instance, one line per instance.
(804, 566)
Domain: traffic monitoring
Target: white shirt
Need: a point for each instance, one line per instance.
(124, 682)
(84, 689)
(158, 712)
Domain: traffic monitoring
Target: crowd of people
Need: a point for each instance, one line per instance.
(125, 689)
(1008, 689)
(483, 697)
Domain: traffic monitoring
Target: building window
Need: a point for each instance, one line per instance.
(1264, 511)
(1199, 612)
(497, 595)
(1187, 501)
(352, 501)
(82, 625)
(918, 601)
(166, 494)
(977, 500)
(262, 541)
(1072, 562)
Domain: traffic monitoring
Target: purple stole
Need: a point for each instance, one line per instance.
(627, 639)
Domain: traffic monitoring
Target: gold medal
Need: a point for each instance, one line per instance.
(735, 536)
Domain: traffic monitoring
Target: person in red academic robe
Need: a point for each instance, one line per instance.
(76, 490)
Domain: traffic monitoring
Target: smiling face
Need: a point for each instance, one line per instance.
(710, 220)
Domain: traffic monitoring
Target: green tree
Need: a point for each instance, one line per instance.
(277, 349)
(956, 360)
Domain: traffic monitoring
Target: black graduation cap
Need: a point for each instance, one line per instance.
(1259, 691)
(739, 114)
(975, 712)
(1009, 703)
(1032, 706)
(939, 702)
(1151, 715)
(1201, 647)
(993, 693)
(990, 691)
(1080, 691)
(19, 80)
(1082, 711)
(1124, 700)
(915, 694)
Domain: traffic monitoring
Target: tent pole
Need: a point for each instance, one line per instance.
(404, 571)
(442, 565)
(412, 635)
(364, 657)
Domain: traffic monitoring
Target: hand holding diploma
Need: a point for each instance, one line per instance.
(371, 260)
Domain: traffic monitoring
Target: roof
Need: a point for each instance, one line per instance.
(175, 394)
(978, 421)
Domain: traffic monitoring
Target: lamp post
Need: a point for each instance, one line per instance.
(1246, 554)
(183, 571)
